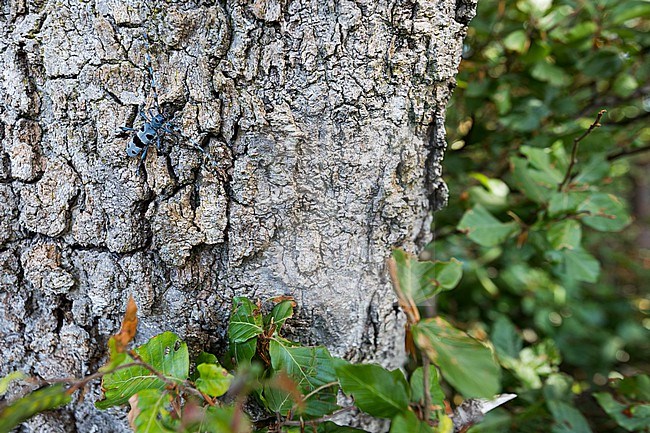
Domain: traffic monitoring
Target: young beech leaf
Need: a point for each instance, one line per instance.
(420, 280)
(375, 390)
(607, 212)
(464, 362)
(484, 229)
(33, 403)
(580, 265)
(151, 412)
(166, 353)
(214, 380)
(214, 419)
(245, 321)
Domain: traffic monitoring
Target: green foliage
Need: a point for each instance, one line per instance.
(550, 267)
(375, 390)
(457, 354)
(48, 398)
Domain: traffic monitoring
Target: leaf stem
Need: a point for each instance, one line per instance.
(574, 151)
(425, 386)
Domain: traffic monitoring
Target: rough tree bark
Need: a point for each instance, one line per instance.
(322, 122)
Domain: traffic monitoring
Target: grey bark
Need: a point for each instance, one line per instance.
(322, 123)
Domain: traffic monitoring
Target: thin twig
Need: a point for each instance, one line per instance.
(627, 152)
(574, 151)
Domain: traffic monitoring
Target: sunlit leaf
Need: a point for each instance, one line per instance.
(166, 353)
(11, 377)
(214, 380)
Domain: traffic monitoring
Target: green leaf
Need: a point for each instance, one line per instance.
(564, 202)
(532, 183)
(214, 380)
(464, 362)
(516, 41)
(630, 416)
(166, 353)
(243, 352)
(309, 368)
(551, 161)
(203, 358)
(506, 339)
(245, 321)
(377, 391)
(215, 419)
(280, 313)
(554, 75)
(420, 280)
(408, 422)
(154, 415)
(593, 171)
(567, 418)
(607, 212)
(11, 377)
(41, 400)
(580, 265)
(630, 10)
(565, 234)
(484, 229)
(417, 386)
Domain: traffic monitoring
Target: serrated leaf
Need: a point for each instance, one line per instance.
(464, 362)
(484, 229)
(607, 212)
(408, 422)
(580, 265)
(214, 380)
(417, 386)
(567, 418)
(166, 353)
(421, 280)
(565, 234)
(153, 408)
(47, 398)
(377, 391)
(245, 321)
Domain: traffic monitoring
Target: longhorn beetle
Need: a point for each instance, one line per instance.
(156, 124)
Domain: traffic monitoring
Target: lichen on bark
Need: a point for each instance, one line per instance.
(322, 125)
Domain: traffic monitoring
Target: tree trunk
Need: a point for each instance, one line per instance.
(322, 124)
